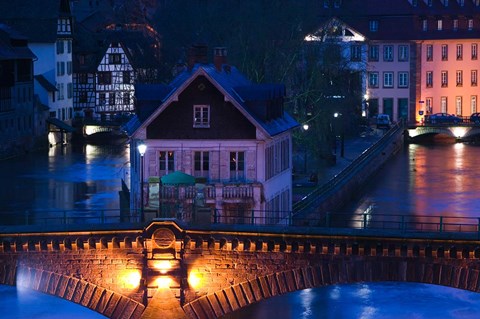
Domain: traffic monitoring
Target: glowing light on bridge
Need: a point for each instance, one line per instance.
(131, 278)
(163, 282)
(459, 132)
(163, 266)
(194, 279)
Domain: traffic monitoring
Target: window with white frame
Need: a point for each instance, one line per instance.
(444, 52)
(444, 78)
(356, 52)
(60, 93)
(201, 163)
(443, 104)
(166, 162)
(470, 24)
(373, 53)
(403, 79)
(403, 52)
(201, 116)
(474, 51)
(459, 77)
(473, 104)
(455, 24)
(458, 105)
(425, 25)
(373, 79)
(473, 77)
(439, 24)
(429, 79)
(429, 104)
(388, 79)
(237, 166)
(388, 53)
(60, 68)
(459, 51)
(373, 25)
(429, 52)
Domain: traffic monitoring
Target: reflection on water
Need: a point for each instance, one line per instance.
(368, 301)
(426, 180)
(70, 177)
(21, 303)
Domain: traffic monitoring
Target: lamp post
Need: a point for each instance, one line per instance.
(342, 134)
(142, 148)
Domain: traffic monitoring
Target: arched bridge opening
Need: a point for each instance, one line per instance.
(453, 133)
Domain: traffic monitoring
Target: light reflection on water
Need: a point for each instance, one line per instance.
(72, 177)
(426, 180)
(368, 301)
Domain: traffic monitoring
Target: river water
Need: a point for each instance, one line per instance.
(439, 180)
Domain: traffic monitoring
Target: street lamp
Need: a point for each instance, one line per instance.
(342, 134)
(142, 148)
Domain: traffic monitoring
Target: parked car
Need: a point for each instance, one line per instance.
(383, 121)
(442, 118)
(475, 118)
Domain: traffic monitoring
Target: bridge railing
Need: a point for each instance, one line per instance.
(311, 200)
(63, 217)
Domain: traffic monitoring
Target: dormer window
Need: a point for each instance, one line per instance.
(424, 25)
(455, 24)
(373, 25)
(470, 24)
(201, 116)
(439, 24)
(462, 2)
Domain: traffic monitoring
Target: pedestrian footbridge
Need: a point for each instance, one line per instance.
(167, 269)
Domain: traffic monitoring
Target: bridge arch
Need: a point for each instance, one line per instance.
(338, 270)
(104, 301)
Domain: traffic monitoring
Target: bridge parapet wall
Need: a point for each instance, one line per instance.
(97, 270)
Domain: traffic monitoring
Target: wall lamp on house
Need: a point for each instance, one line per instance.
(305, 127)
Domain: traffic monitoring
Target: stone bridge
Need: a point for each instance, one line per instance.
(459, 132)
(169, 270)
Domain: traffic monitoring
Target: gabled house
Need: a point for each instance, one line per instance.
(216, 143)
(48, 27)
(107, 64)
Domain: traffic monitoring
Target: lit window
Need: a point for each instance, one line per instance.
(444, 52)
(429, 79)
(443, 104)
(166, 162)
(444, 76)
(474, 51)
(201, 116)
(429, 52)
(459, 51)
(388, 79)
(459, 77)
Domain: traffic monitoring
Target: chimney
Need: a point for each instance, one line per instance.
(219, 57)
(197, 53)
